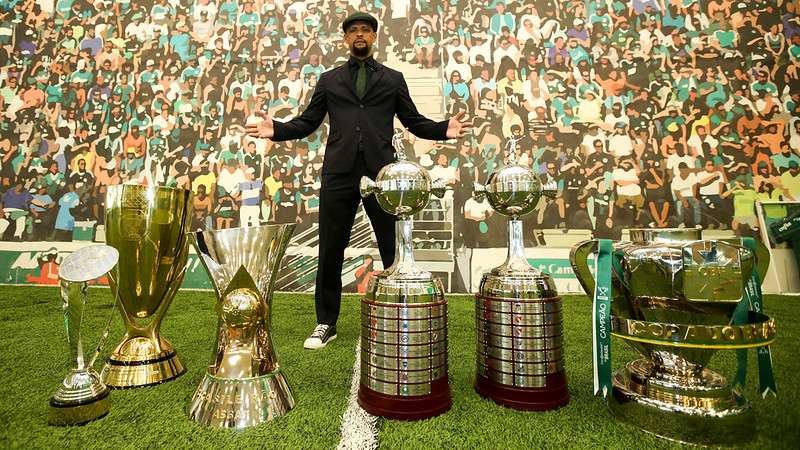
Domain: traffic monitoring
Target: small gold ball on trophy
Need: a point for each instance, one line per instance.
(240, 308)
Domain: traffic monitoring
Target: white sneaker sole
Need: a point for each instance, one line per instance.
(314, 346)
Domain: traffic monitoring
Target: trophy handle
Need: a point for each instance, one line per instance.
(367, 187)
(762, 260)
(478, 191)
(579, 258)
(761, 256)
(439, 187)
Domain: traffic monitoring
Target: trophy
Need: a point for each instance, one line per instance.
(675, 299)
(245, 385)
(519, 339)
(82, 397)
(403, 312)
(148, 226)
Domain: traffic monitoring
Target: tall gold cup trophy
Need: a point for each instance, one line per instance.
(82, 397)
(148, 226)
(245, 385)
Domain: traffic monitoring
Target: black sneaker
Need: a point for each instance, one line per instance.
(320, 337)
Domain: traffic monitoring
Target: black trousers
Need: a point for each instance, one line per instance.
(338, 203)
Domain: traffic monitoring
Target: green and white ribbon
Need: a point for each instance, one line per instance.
(753, 301)
(601, 318)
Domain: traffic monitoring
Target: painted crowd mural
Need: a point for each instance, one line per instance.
(656, 113)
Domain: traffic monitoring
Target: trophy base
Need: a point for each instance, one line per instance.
(63, 414)
(552, 397)
(407, 408)
(136, 363)
(708, 413)
(240, 402)
(81, 398)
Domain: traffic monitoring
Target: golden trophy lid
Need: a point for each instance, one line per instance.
(88, 263)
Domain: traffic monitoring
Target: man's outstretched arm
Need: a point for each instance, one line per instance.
(297, 128)
(423, 127)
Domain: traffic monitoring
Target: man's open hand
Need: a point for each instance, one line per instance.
(456, 128)
(264, 129)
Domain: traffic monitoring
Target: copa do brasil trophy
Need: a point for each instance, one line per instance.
(82, 397)
(148, 225)
(677, 299)
(244, 385)
(519, 337)
(404, 311)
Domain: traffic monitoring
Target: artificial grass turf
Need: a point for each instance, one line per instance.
(34, 360)
(474, 422)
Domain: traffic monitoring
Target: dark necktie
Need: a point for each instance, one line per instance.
(361, 79)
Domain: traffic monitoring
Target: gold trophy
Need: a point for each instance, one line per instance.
(148, 226)
(82, 397)
(677, 299)
(245, 385)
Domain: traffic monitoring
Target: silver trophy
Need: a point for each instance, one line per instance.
(82, 397)
(245, 385)
(404, 312)
(519, 340)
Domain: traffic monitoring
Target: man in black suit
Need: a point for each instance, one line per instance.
(361, 97)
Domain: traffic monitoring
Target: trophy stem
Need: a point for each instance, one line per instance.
(404, 264)
(516, 262)
(73, 296)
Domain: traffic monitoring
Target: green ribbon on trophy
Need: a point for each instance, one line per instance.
(601, 319)
(752, 301)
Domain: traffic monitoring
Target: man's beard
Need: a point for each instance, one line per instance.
(360, 52)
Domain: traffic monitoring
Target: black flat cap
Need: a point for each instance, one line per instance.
(362, 16)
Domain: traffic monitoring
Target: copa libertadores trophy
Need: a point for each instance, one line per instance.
(404, 312)
(520, 349)
(82, 397)
(148, 225)
(677, 299)
(245, 385)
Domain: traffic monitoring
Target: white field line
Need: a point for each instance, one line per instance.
(359, 428)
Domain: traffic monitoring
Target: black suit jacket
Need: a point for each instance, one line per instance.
(364, 125)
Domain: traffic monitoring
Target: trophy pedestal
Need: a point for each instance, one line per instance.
(407, 408)
(240, 402)
(710, 413)
(137, 362)
(404, 349)
(554, 396)
(80, 399)
(519, 341)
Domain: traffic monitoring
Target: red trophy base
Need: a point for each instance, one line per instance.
(407, 408)
(552, 397)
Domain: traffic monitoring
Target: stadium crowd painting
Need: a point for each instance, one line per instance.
(646, 112)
